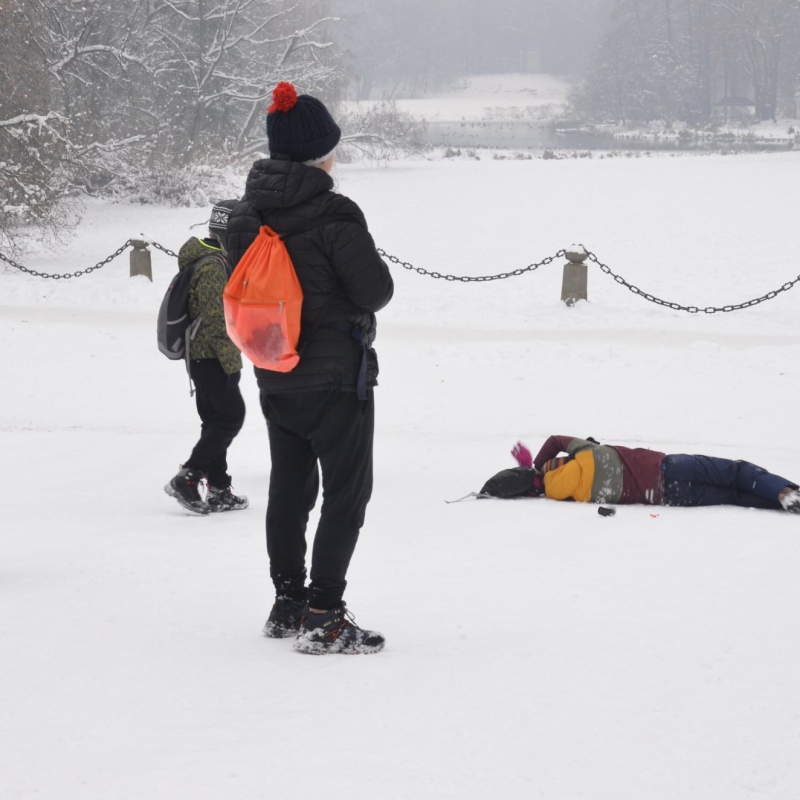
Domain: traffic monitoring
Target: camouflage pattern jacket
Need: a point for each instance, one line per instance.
(205, 298)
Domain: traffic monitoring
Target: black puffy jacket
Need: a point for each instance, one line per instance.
(343, 278)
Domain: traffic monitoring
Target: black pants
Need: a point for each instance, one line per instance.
(709, 481)
(221, 409)
(335, 431)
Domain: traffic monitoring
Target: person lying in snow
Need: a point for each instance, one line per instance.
(591, 472)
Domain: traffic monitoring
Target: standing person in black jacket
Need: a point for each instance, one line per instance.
(321, 414)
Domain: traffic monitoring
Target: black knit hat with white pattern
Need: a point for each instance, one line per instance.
(218, 223)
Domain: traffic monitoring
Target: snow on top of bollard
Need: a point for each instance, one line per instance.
(576, 253)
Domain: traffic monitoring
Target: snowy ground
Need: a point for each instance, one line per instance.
(534, 648)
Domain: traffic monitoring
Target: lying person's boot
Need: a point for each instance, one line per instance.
(184, 487)
(335, 631)
(790, 499)
(225, 500)
(284, 619)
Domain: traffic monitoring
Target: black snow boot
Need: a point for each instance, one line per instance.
(184, 487)
(335, 631)
(225, 500)
(284, 619)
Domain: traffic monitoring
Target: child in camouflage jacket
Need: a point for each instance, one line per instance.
(215, 368)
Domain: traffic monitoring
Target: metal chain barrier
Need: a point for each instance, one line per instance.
(462, 278)
(470, 278)
(77, 274)
(690, 309)
(619, 279)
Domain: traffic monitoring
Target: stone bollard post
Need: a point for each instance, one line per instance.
(140, 259)
(574, 281)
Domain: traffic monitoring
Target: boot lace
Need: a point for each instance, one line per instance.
(346, 618)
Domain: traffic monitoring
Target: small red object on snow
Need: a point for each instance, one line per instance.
(655, 515)
(284, 97)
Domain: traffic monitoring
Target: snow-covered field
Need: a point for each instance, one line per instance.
(534, 648)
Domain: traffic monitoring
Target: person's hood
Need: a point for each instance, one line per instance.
(274, 184)
(195, 249)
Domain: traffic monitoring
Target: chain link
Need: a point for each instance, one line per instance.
(470, 278)
(163, 249)
(690, 309)
(77, 274)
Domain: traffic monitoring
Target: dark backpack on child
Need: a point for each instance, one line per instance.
(175, 328)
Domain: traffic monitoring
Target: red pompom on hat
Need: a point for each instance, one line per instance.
(284, 97)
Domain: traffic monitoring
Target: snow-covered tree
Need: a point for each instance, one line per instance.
(34, 148)
(215, 63)
(674, 59)
(398, 46)
(764, 30)
(99, 92)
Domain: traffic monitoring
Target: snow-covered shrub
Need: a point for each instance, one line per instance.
(36, 182)
(188, 186)
(378, 132)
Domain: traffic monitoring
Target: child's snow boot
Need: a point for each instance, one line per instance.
(184, 487)
(335, 631)
(225, 500)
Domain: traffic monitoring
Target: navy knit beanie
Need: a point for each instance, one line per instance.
(299, 126)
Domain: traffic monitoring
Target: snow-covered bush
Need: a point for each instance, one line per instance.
(378, 131)
(189, 186)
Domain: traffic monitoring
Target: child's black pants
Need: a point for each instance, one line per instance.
(221, 409)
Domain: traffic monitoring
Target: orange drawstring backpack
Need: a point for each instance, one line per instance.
(263, 301)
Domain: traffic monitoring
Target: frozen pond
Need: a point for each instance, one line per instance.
(545, 134)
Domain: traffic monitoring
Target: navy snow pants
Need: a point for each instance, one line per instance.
(709, 481)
